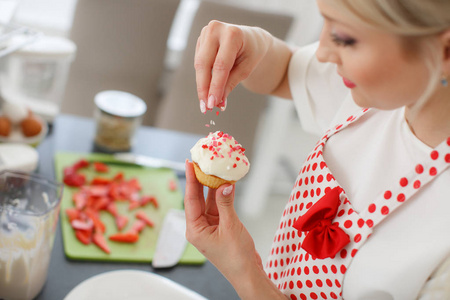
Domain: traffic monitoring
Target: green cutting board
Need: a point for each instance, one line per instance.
(154, 182)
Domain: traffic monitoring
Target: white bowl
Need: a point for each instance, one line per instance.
(131, 285)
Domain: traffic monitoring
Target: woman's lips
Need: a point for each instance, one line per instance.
(348, 83)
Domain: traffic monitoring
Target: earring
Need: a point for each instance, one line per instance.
(444, 81)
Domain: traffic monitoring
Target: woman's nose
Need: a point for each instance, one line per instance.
(326, 52)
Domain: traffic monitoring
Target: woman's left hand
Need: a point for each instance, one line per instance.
(214, 228)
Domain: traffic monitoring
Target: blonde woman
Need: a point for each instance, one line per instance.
(368, 214)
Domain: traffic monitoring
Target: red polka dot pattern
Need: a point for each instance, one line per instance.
(301, 276)
(295, 272)
(423, 172)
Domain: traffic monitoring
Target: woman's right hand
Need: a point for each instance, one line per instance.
(225, 55)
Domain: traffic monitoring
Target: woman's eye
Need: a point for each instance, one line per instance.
(339, 41)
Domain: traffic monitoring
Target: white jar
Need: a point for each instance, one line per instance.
(118, 115)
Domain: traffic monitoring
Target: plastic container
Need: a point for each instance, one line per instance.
(118, 115)
(29, 209)
(36, 75)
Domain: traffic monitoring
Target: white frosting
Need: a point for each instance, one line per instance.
(219, 154)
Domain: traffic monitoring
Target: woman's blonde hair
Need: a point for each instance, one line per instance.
(418, 22)
(413, 18)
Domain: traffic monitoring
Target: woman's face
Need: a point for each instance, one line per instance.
(375, 65)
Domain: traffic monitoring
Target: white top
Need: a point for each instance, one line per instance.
(409, 245)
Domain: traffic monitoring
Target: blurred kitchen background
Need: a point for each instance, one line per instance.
(146, 47)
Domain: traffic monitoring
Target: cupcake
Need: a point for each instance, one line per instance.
(218, 159)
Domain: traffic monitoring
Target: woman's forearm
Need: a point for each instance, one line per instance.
(275, 62)
(253, 284)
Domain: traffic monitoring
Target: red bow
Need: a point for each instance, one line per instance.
(324, 239)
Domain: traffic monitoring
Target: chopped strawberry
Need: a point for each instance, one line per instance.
(99, 226)
(71, 177)
(143, 217)
(74, 179)
(154, 201)
(80, 199)
(101, 167)
(82, 225)
(128, 237)
(121, 222)
(72, 214)
(100, 241)
(100, 194)
(114, 191)
(134, 183)
(96, 190)
(100, 203)
(149, 199)
(172, 185)
(82, 163)
(112, 209)
(100, 181)
(84, 236)
(138, 226)
(118, 177)
(134, 204)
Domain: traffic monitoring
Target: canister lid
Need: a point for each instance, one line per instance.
(120, 103)
(47, 46)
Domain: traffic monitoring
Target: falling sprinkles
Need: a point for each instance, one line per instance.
(211, 122)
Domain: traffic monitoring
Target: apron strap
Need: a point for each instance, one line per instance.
(344, 124)
(423, 173)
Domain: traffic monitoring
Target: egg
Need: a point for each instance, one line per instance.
(5, 126)
(31, 126)
(16, 112)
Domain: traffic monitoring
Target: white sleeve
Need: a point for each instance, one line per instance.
(320, 97)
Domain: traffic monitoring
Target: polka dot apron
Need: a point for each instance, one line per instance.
(320, 232)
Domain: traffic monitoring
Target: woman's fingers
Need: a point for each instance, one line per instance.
(239, 72)
(194, 202)
(231, 42)
(217, 52)
(225, 206)
(203, 63)
(211, 205)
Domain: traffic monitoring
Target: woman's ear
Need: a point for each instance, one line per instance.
(445, 40)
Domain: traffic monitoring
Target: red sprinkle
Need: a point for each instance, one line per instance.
(217, 113)
(234, 166)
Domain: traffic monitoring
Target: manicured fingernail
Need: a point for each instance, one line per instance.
(224, 105)
(227, 191)
(202, 106)
(211, 101)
